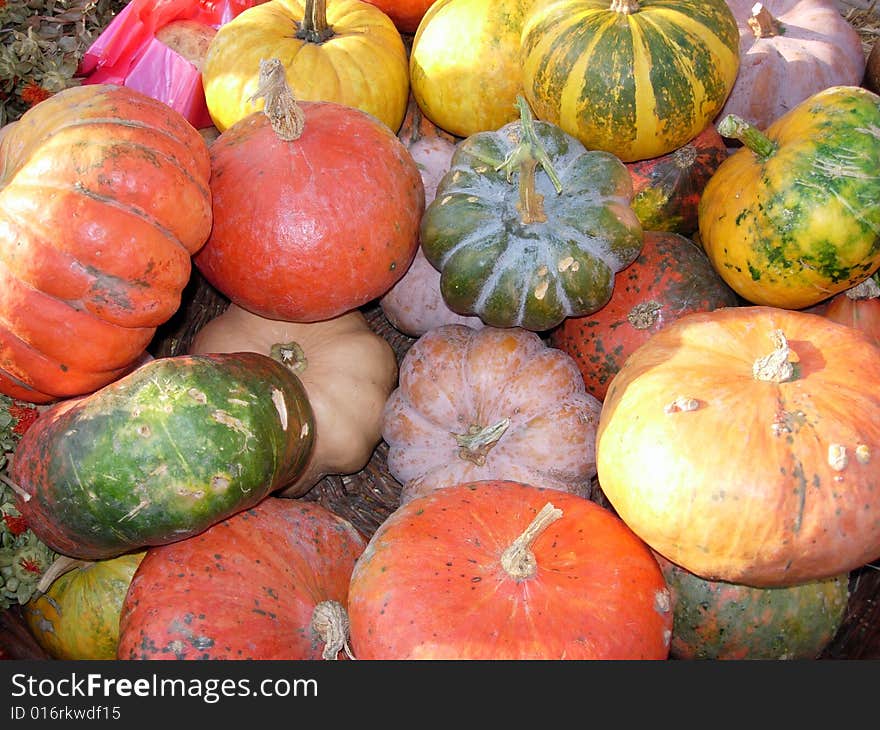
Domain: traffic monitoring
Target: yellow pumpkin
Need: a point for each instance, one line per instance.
(344, 51)
(348, 372)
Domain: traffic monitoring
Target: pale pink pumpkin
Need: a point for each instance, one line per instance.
(489, 403)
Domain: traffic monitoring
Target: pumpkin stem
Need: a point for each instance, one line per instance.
(330, 623)
(735, 127)
(868, 289)
(281, 108)
(624, 6)
(762, 23)
(779, 365)
(519, 560)
(291, 355)
(61, 565)
(478, 441)
(525, 158)
(314, 27)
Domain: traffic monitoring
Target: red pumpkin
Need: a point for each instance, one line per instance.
(405, 14)
(315, 225)
(258, 585)
(857, 307)
(670, 278)
(103, 198)
(667, 189)
(505, 570)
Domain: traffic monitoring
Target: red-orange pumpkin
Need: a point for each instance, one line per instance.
(312, 226)
(857, 307)
(505, 570)
(405, 14)
(103, 198)
(260, 585)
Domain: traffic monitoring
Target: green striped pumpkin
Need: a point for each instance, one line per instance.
(637, 79)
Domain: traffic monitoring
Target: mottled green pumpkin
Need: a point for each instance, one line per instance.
(638, 78)
(160, 455)
(791, 218)
(529, 227)
(718, 620)
(78, 617)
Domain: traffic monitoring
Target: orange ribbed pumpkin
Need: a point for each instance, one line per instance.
(104, 196)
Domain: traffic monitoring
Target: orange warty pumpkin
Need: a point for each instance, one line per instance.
(504, 570)
(314, 216)
(103, 198)
(743, 444)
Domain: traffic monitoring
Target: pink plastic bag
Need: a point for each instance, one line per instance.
(127, 52)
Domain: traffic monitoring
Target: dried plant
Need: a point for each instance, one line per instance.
(41, 45)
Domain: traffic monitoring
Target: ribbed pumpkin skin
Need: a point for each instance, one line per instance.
(78, 618)
(103, 198)
(334, 224)
(670, 278)
(166, 451)
(464, 64)
(431, 583)
(667, 189)
(762, 483)
(362, 63)
(800, 225)
(513, 273)
(729, 621)
(638, 85)
(246, 588)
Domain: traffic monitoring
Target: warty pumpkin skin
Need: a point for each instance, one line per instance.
(173, 447)
(637, 78)
(792, 218)
(529, 227)
(104, 196)
(246, 588)
(742, 444)
(347, 370)
(464, 64)
(500, 570)
(342, 51)
(789, 50)
(333, 224)
(670, 278)
(489, 403)
(78, 616)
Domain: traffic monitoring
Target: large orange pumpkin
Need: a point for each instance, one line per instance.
(743, 444)
(504, 570)
(103, 198)
(314, 216)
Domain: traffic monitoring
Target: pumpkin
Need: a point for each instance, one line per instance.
(414, 304)
(489, 403)
(462, 50)
(348, 371)
(667, 189)
(520, 246)
(405, 14)
(637, 78)
(789, 220)
(742, 443)
(163, 453)
(789, 50)
(858, 307)
(670, 278)
(728, 621)
(270, 582)
(78, 616)
(342, 51)
(504, 570)
(335, 221)
(103, 198)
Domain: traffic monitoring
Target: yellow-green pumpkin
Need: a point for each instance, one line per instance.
(637, 78)
(78, 617)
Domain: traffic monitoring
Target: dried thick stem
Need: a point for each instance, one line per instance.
(519, 560)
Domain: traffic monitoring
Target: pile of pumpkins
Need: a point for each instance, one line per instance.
(635, 245)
